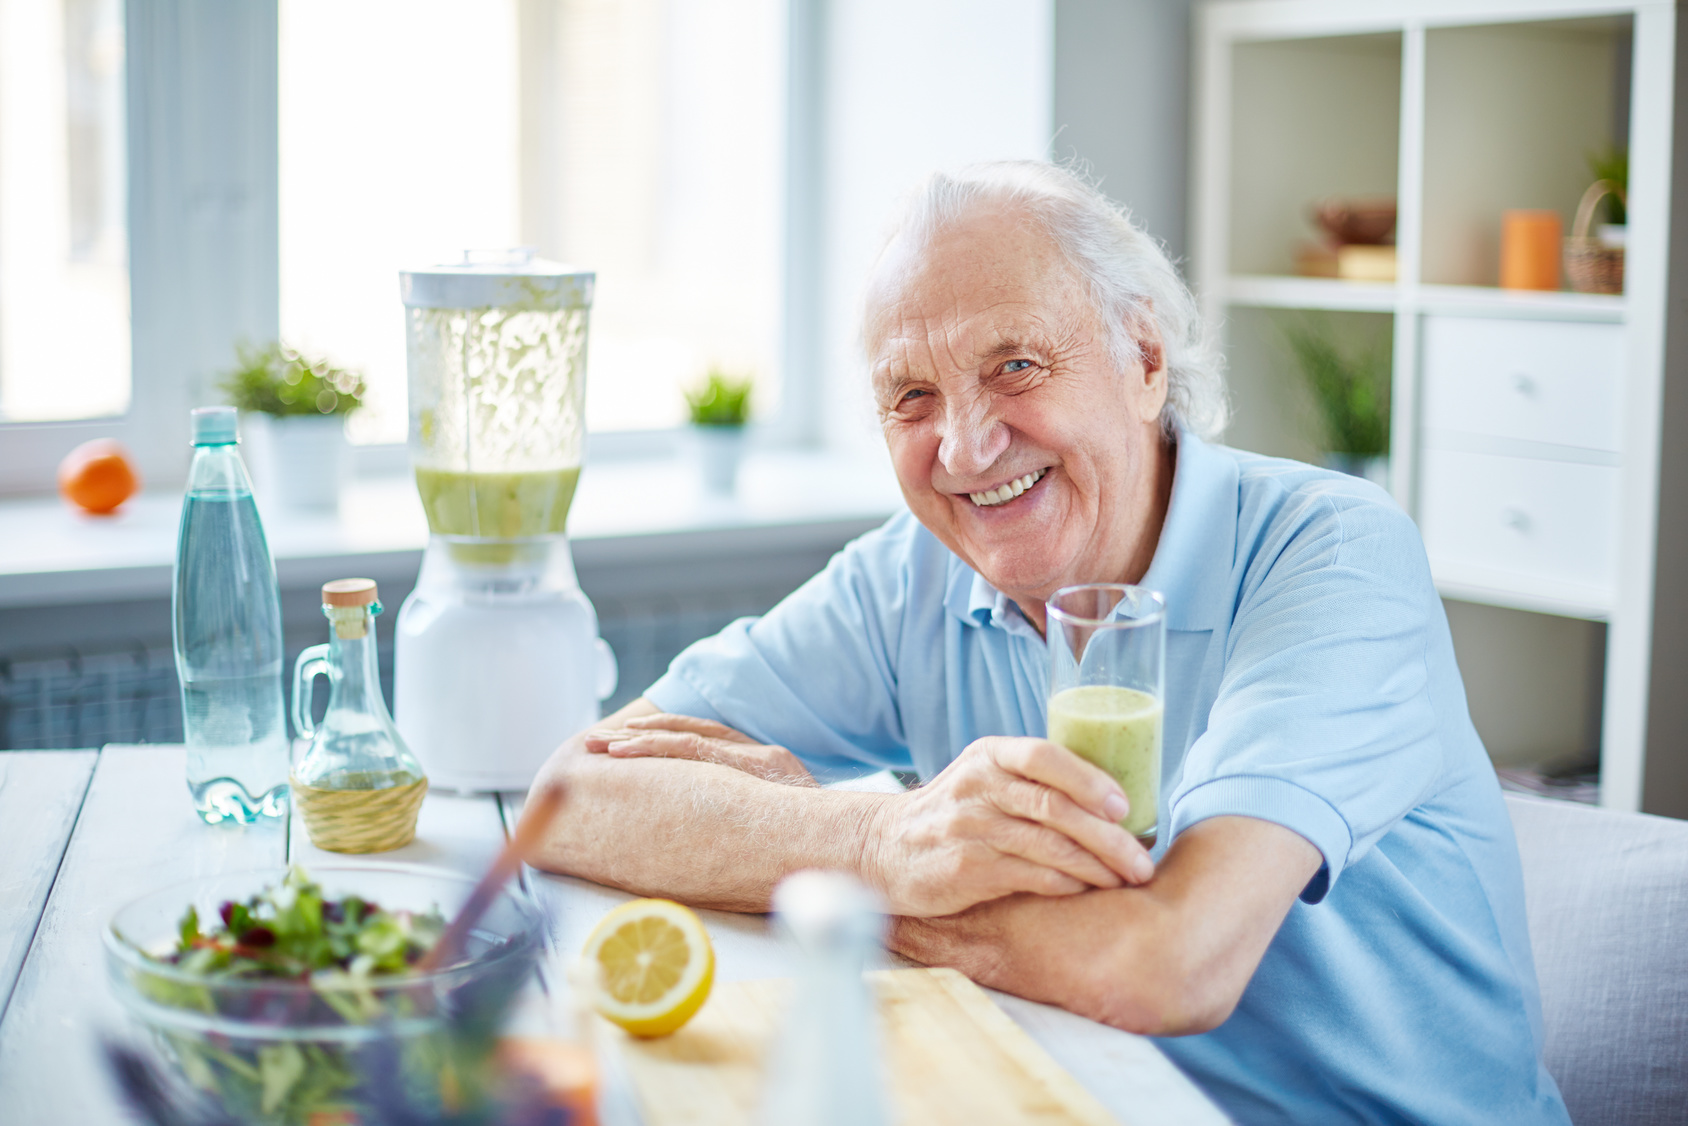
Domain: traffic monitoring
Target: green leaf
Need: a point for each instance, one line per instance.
(384, 939)
(280, 1066)
(193, 1063)
(189, 928)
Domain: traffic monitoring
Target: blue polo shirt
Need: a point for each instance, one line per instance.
(1310, 682)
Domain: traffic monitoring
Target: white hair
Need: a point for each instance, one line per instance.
(1129, 276)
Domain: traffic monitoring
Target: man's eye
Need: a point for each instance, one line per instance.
(1016, 365)
(913, 393)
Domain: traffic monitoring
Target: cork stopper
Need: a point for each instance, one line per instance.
(347, 603)
(348, 592)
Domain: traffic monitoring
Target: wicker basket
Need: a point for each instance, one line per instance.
(1591, 265)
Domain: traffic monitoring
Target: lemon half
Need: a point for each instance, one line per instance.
(655, 964)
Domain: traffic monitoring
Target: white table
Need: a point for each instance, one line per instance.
(83, 832)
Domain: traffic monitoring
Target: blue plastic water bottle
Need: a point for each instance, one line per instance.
(227, 629)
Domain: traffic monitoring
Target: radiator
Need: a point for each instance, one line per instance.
(129, 694)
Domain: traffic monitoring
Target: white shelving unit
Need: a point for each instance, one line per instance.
(1526, 427)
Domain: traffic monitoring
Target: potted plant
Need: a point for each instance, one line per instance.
(719, 409)
(1350, 386)
(295, 410)
(1612, 165)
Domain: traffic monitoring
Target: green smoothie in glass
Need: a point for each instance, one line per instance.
(1119, 730)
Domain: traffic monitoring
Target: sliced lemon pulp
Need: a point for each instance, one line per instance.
(654, 963)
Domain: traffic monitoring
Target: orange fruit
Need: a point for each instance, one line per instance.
(97, 477)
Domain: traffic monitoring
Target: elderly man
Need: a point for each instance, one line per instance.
(1333, 926)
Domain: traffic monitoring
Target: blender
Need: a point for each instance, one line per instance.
(497, 655)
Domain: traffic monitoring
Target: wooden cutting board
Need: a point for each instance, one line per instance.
(952, 1055)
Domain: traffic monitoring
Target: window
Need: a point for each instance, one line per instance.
(64, 279)
(641, 139)
(644, 139)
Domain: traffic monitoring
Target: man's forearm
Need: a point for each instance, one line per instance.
(1168, 958)
(697, 832)
(1095, 954)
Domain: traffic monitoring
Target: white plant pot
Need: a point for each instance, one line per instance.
(298, 461)
(717, 451)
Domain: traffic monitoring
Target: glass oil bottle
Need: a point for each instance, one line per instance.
(358, 786)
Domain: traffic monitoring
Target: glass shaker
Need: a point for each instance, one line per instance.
(825, 1068)
(358, 785)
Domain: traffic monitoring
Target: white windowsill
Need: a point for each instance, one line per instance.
(625, 512)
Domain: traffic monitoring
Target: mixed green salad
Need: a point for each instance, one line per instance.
(292, 931)
(282, 999)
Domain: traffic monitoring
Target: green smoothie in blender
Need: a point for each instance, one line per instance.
(503, 506)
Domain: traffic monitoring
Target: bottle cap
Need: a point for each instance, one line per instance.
(348, 592)
(829, 910)
(214, 426)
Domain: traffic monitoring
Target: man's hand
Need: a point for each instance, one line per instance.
(700, 740)
(1009, 815)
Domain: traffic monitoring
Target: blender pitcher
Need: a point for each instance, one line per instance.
(497, 656)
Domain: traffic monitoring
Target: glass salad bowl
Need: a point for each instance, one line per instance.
(326, 1044)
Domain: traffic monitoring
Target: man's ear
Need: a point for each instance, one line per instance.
(1151, 354)
(1145, 333)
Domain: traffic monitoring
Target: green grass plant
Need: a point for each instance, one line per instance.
(1349, 381)
(277, 380)
(1612, 164)
(722, 399)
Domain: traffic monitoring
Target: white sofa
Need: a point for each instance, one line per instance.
(1607, 896)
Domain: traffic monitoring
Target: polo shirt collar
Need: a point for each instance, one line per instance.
(1198, 543)
(1192, 563)
(968, 597)
(977, 603)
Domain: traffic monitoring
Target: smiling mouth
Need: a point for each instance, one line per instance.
(1002, 494)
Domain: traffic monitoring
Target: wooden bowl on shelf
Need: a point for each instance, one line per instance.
(1356, 222)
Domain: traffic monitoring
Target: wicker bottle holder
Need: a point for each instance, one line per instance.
(1591, 265)
(361, 820)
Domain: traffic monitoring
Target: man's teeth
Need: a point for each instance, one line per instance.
(1008, 492)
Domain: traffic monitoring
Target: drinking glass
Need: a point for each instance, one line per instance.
(1107, 660)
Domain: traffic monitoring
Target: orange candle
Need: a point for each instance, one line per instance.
(1529, 249)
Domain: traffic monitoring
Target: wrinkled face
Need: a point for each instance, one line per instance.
(1017, 440)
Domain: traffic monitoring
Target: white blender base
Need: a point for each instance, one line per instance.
(484, 692)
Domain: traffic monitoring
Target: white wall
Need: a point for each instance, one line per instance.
(912, 86)
(1122, 104)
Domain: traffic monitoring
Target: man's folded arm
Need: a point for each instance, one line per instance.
(699, 832)
(1168, 958)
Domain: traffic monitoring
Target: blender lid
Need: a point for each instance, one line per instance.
(501, 279)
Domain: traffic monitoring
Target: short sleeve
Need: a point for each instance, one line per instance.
(817, 673)
(1324, 720)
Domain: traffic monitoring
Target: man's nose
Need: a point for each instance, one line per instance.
(973, 438)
